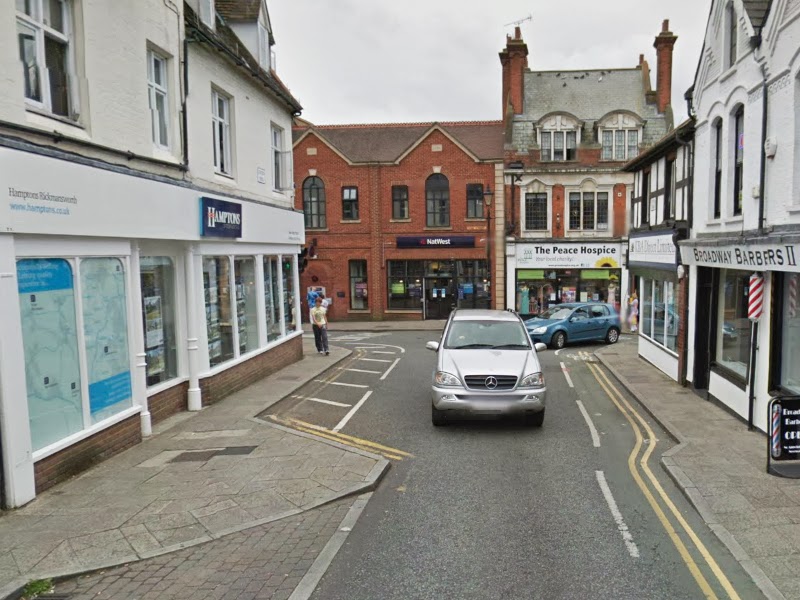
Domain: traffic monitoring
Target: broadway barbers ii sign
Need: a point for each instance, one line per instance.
(763, 257)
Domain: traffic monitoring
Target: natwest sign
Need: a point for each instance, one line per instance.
(219, 218)
(448, 241)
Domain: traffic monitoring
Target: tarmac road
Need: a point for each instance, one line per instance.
(576, 509)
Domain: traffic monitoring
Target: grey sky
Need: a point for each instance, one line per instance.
(378, 61)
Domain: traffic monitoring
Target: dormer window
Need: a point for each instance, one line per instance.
(207, 12)
(620, 135)
(263, 47)
(559, 136)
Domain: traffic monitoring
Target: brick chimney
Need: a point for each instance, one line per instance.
(514, 59)
(663, 45)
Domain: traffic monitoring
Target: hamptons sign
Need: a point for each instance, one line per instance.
(219, 218)
(767, 257)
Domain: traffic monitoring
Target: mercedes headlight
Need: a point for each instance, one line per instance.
(446, 379)
(534, 380)
(539, 330)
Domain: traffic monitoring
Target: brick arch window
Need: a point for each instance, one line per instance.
(437, 199)
(314, 203)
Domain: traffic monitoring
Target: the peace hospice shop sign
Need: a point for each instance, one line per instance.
(569, 255)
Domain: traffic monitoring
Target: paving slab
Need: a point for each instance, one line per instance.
(196, 479)
(721, 467)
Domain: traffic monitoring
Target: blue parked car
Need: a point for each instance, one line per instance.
(575, 322)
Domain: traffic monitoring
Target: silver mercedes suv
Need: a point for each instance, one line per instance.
(486, 364)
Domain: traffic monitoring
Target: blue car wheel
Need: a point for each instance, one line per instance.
(559, 340)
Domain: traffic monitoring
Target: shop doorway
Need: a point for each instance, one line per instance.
(704, 317)
(440, 298)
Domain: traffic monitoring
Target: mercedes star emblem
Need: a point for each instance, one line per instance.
(490, 383)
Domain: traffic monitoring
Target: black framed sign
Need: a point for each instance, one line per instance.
(436, 241)
(783, 452)
(220, 218)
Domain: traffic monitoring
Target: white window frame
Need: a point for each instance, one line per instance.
(620, 154)
(562, 134)
(263, 47)
(221, 126)
(594, 192)
(154, 90)
(41, 30)
(279, 171)
(207, 12)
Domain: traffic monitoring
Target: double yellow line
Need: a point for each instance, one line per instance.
(632, 416)
(336, 436)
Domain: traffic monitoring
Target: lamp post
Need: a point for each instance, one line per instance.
(487, 200)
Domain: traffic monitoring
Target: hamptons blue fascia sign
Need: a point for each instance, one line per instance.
(219, 218)
(436, 241)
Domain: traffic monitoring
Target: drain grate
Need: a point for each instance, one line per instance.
(236, 450)
(204, 455)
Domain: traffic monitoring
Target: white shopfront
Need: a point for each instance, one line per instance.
(653, 261)
(545, 273)
(117, 287)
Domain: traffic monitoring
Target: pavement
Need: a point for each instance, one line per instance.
(200, 477)
(186, 511)
(721, 468)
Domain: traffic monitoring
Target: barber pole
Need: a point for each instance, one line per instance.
(755, 297)
(792, 295)
(776, 431)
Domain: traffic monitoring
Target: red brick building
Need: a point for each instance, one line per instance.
(400, 218)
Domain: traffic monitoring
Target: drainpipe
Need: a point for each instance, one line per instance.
(761, 187)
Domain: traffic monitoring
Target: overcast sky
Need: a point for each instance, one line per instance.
(379, 61)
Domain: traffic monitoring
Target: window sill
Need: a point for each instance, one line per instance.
(729, 376)
(735, 220)
(476, 219)
(352, 221)
(730, 72)
(403, 311)
(409, 220)
(226, 179)
(794, 210)
(358, 311)
(446, 228)
(48, 115)
(165, 385)
(317, 229)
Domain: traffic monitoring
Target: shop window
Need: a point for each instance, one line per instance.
(790, 334)
(244, 272)
(157, 276)
(219, 316)
(288, 293)
(659, 316)
(358, 285)
(536, 211)
(474, 201)
(350, 203)
(105, 327)
(50, 344)
(272, 298)
(314, 203)
(399, 202)
(437, 199)
(405, 284)
(733, 327)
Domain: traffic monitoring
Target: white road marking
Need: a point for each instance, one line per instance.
(389, 370)
(557, 351)
(331, 402)
(592, 428)
(383, 360)
(357, 370)
(565, 370)
(368, 345)
(633, 550)
(353, 410)
(356, 385)
(382, 352)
